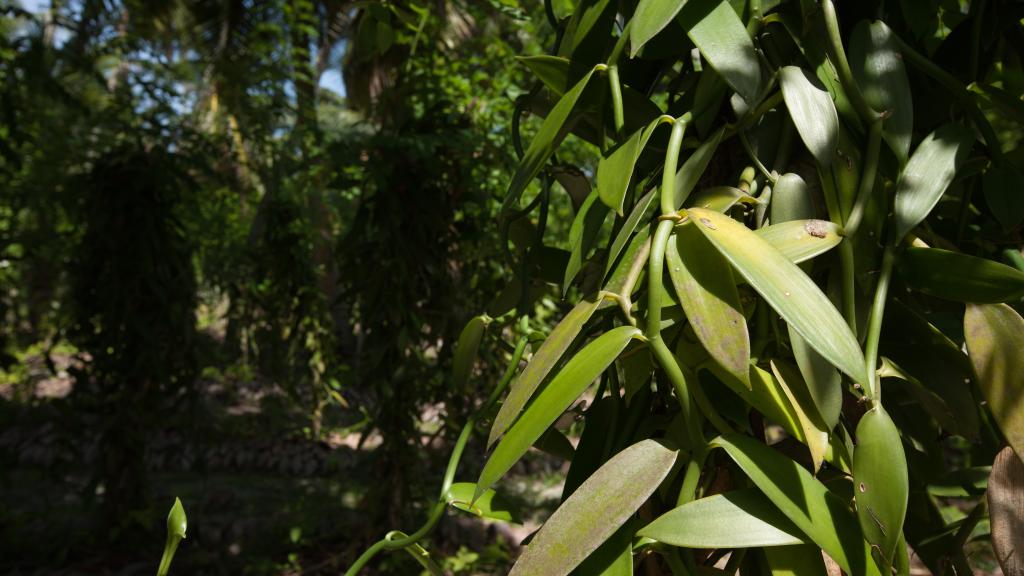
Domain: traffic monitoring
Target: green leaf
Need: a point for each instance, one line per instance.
(995, 339)
(1003, 194)
(649, 18)
(640, 210)
(823, 381)
(614, 557)
(880, 481)
(596, 510)
(1006, 509)
(551, 132)
(877, 66)
(960, 277)
(963, 483)
(466, 350)
(803, 560)
(813, 113)
(718, 32)
(786, 288)
(692, 170)
(707, 292)
(549, 353)
(582, 235)
(738, 519)
(818, 513)
(720, 198)
(927, 174)
(791, 199)
(815, 432)
(490, 504)
(801, 240)
(575, 377)
(615, 170)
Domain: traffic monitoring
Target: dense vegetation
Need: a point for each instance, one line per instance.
(320, 319)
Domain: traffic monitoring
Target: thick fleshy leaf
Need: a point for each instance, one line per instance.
(803, 560)
(490, 504)
(720, 198)
(553, 71)
(707, 292)
(878, 68)
(786, 288)
(880, 481)
(614, 557)
(640, 210)
(933, 403)
(596, 510)
(960, 277)
(813, 113)
(575, 377)
(466, 350)
(582, 235)
(1006, 509)
(544, 359)
(801, 240)
(649, 18)
(791, 199)
(1004, 195)
(815, 433)
(548, 137)
(815, 511)
(995, 339)
(739, 519)
(692, 170)
(716, 29)
(615, 171)
(927, 175)
(824, 383)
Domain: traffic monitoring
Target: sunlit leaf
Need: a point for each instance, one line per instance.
(615, 171)
(878, 68)
(930, 170)
(641, 209)
(786, 288)
(815, 432)
(802, 560)
(720, 198)
(543, 360)
(801, 240)
(582, 235)
(489, 505)
(716, 29)
(649, 18)
(813, 113)
(575, 377)
(739, 519)
(706, 290)
(596, 510)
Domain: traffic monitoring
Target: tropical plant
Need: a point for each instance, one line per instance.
(830, 193)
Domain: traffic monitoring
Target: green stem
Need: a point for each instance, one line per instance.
(655, 271)
(668, 364)
(873, 389)
(835, 44)
(668, 174)
(165, 561)
(616, 90)
(691, 478)
(847, 274)
(867, 178)
(437, 510)
(620, 45)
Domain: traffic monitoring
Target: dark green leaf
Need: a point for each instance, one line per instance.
(880, 481)
(466, 350)
(803, 560)
(564, 388)
(791, 199)
(650, 17)
(596, 510)
(960, 277)
(1004, 194)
